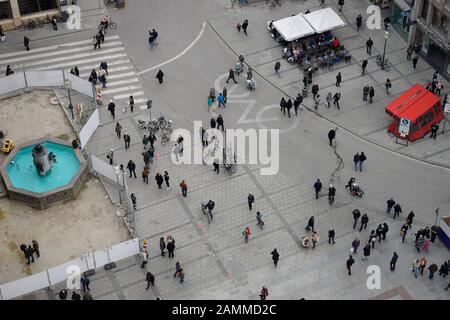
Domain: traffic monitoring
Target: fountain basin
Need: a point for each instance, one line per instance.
(64, 181)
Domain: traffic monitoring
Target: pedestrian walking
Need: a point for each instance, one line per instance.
(283, 105)
(364, 66)
(397, 210)
(384, 230)
(275, 257)
(315, 90)
(131, 166)
(355, 246)
(118, 130)
(338, 79)
(264, 293)
(364, 221)
(390, 205)
(8, 70)
(98, 38)
(350, 262)
(221, 100)
(409, 52)
(23, 248)
(127, 139)
(422, 264)
(133, 201)
(379, 232)
(26, 43)
(104, 66)
(426, 245)
(310, 224)
(432, 268)
(336, 98)
(36, 248)
(246, 234)
(220, 122)
(371, 94)
(166, 179)
(29, 254)
(404, 231)
(434, 130)
(160, 76)
(314, 238)
(340, 4)
(356, 214)
(393, 261)
(112, 108)
(434, 232)
(184, 187)
(245, 26)
(289, 107)
(150, 278)
(366, 251)
(216, 165)
(358, 21)
(365, 92)
(277, 68)
(297, 102)
(415, 267)
(238, 27)
(259, 220)
(369, 44)
(170, 246)
(331, 235)
(388, 85)
(231, 76)
(410, 218)
(250, 200)
(356, 160)
(372, 238)
(93, 78)
(178, 269)
(110, 156)
(444, 269)
(159, 180)
(145, 174)
(85, 283)
(331, 136)
(415, 60)
(328, 99)
(419, 243)
(317, 187)
(362, 158)
(331, 194)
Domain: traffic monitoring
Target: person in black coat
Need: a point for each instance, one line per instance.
(275, 257)
(250, 200)
(393, 261)
(366, 251)
(390, 205)
(220, 122)
(150, 278)
(331, 136)
(385, 230)
(310, 225)
(317, 187)
(371, 94)
(364, 221)
(297, 102)
(331, 235)
(356, 214)
(26, 43)
(350, 262)
(410, 218)
(289, 107)
(315, 90)
(159, 180)
(356, 161)
(331, 194)
(397, 210)
(170, 248)
(75, 296)
(132, 167)
(364, 66)
(213, 123)
(358, 21)
(231, 76)
(283, 105)
(160, 76)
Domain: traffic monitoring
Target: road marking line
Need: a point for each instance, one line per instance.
(66, 58)
(122, 89)
(57, 53)
(122, 82)
(179, 55)
(79, 62)
(113, 63)
(126, 96)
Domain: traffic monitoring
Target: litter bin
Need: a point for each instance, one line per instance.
(305, 92)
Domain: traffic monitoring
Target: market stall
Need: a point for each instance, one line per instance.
(324, 20)
(293, 28)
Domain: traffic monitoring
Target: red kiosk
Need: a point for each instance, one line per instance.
(421, 107)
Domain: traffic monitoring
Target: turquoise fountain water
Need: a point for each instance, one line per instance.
(23, 174)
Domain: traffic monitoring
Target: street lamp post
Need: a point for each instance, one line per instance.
(386, 36)
(68, 85)
(117, 172)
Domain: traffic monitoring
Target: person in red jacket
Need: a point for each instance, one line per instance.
(264, 293)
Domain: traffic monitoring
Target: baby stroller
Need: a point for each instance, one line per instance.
(251, 84)
(239, 68)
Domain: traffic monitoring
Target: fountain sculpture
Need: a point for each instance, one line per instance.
(43, 162)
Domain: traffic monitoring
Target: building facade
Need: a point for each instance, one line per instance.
(15, 12)
(431, 31)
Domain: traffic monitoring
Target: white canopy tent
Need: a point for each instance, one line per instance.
(324, 20)
(293, 28)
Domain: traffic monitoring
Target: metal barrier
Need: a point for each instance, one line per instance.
(10, 85)
(63, 272)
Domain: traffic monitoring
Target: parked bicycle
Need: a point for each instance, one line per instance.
(385, 65)
(30, 25)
